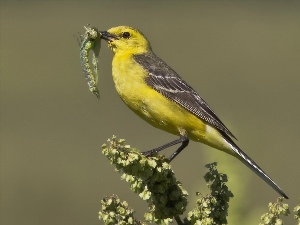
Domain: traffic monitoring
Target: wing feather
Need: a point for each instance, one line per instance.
(166, 81)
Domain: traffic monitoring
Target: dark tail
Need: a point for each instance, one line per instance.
(253, 166)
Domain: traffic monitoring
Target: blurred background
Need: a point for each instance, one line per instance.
(242, 57)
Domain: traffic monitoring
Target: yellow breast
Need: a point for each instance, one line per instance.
(159, 111)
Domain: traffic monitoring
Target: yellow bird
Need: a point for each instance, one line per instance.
(156, 93)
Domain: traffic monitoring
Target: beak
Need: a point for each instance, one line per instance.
(108, 36)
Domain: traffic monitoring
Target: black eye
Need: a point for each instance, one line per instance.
(126, 35)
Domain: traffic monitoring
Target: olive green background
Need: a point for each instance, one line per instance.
(242, 57)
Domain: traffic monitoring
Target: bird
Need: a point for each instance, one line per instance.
(157, 94)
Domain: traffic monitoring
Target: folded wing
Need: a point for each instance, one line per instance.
(167, 82)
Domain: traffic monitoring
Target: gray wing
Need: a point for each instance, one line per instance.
(167, 82)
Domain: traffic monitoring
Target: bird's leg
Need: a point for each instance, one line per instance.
(182, 139)
(184, 143)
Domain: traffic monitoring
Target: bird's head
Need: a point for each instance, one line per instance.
(126, 39)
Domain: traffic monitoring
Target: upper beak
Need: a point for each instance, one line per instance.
(108, 36)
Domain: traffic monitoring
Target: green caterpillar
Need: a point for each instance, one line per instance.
(90, 40)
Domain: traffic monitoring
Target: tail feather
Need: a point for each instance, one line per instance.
(243, 157)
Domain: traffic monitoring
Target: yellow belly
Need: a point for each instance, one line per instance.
(157, 110)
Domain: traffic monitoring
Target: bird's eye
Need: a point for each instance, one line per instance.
(126, 34)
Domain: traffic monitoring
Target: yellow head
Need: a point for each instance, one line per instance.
(124, 39)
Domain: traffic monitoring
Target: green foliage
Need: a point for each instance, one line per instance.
(275, 211)
(212, 209)
(151, 178)
(90, 41)
(154, 181)
(297, 214)
(114, 211)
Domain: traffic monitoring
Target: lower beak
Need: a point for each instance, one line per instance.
(107, 36)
